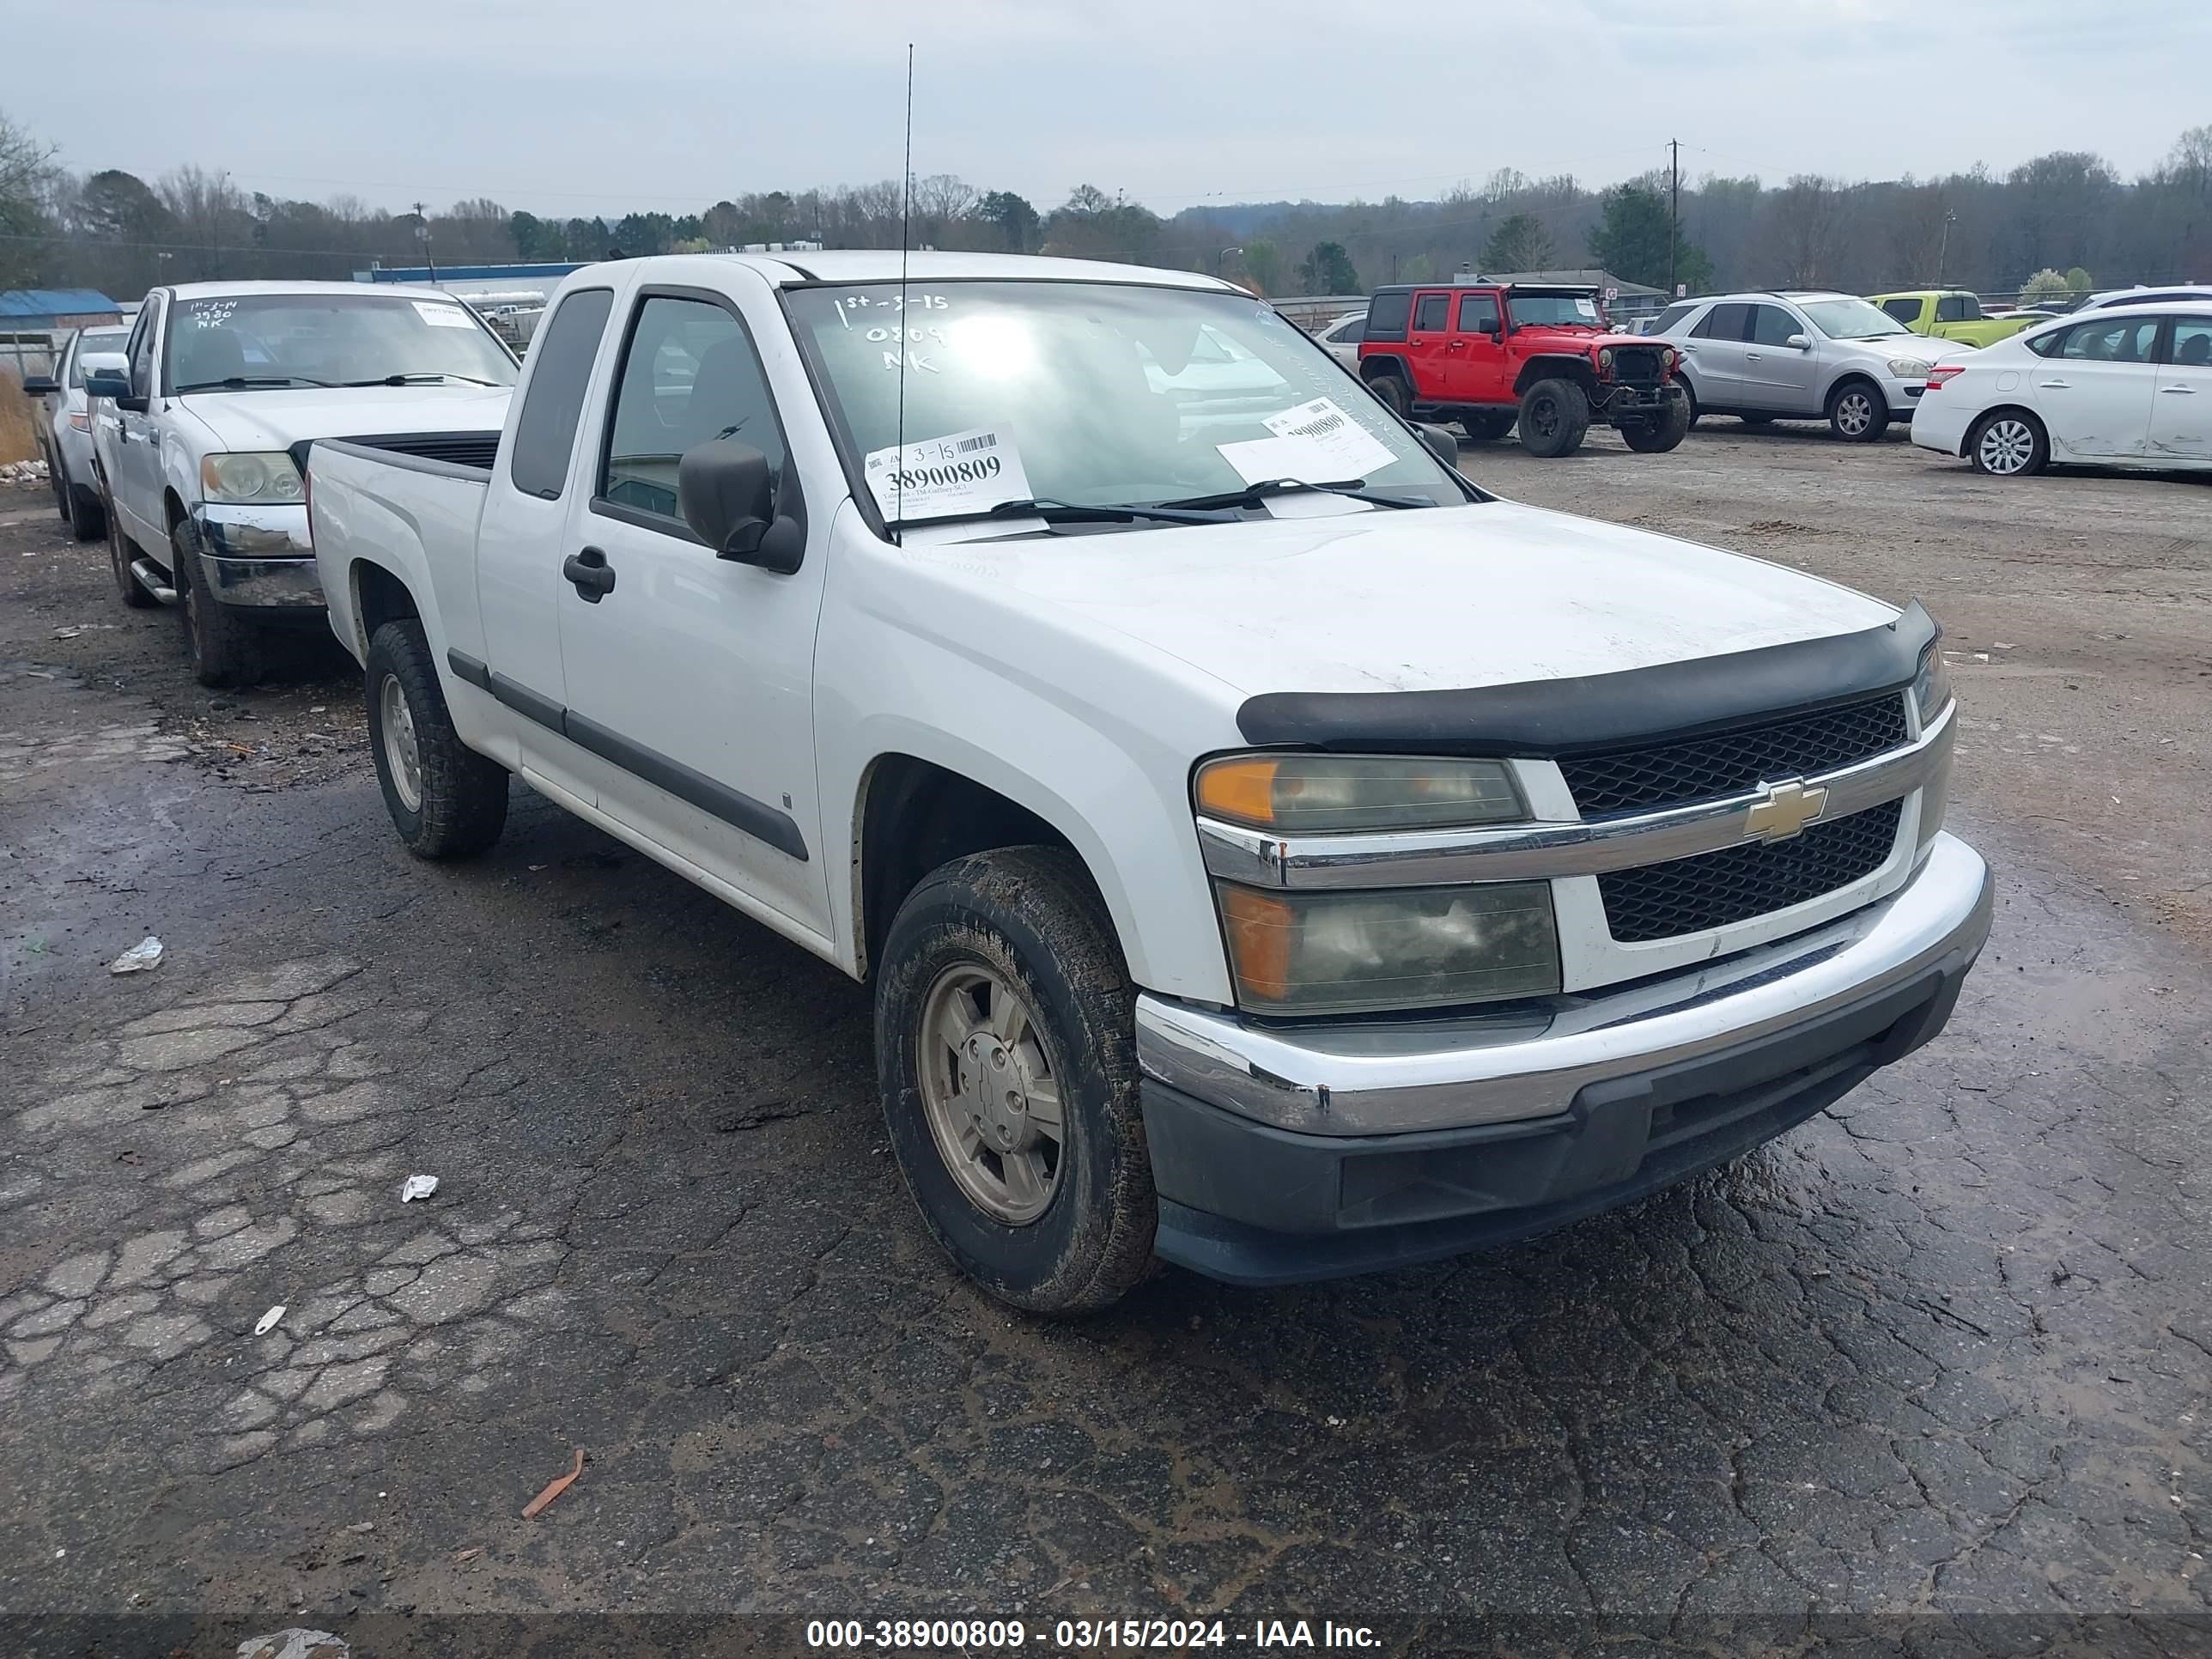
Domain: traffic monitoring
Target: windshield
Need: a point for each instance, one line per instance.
(92, 340)
(329, 339)
(1554, 311)
(1093, 394)
(1851, 319)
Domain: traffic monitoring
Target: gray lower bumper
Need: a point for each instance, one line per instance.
(1528, 1062)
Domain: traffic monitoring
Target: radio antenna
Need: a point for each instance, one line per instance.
(906, 208)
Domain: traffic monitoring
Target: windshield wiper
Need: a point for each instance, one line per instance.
(246, 383)
(421, 375)
(1053, 512)
(1253, 494)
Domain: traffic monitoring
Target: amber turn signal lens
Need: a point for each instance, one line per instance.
(1261, 929)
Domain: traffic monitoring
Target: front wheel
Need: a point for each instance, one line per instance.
(1663, 431)
(1006, 1054)
(446, 800)
(1856, 413)
(2010, 443)
(225, 646)
(1554, 416)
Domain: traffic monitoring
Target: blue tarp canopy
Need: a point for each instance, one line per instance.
(23, 303)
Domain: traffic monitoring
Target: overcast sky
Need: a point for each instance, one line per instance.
(581, 106)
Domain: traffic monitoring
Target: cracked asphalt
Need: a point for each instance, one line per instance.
(1947, 1349)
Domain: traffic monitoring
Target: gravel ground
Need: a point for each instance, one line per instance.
(1945, 1350)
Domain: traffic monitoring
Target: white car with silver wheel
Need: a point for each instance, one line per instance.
(2120, 386)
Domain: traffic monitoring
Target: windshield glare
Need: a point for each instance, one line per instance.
(1554, 311)
(1851, 319)
(329, 339)
(1093, 394)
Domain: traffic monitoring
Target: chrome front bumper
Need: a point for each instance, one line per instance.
(1526, 1063)
(260, 557)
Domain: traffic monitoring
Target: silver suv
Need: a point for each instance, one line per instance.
(1800, 355)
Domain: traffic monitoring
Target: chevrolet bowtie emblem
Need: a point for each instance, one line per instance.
(1788, 808)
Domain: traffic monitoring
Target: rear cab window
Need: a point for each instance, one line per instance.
(1387, 315)
(560, 370)
(1905, 311)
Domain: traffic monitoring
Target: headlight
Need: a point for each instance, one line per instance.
(1605, 361)
(1908, 368)
(1932, 686)
(1315, 794)
(1670, 357)
(249, 479)
(1409, 947)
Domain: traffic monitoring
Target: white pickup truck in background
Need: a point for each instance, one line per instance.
(198, 441)
(1270, 852)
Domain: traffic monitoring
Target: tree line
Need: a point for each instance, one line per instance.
(1993, 232)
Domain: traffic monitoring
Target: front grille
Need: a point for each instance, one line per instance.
(1688, 895)
(1729, 762)
(1636, 365)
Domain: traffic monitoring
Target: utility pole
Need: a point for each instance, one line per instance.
(422, 230)
(1943, 248)
(1674, 212)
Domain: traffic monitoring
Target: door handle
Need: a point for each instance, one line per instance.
(1455, 345)
(1752, 357)
(2180, 391)
(591, 574)
(2061, 384)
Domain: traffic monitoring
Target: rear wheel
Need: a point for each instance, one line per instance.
(1856, 413)
(1554, 416)
(121, 555)
(1393, 390)
(2008, 443)
(86, 517)
(1006, 1048)
(1663, 433)
(225, 646)
(446, 800)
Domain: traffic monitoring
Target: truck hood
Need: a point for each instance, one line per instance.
(1492, 593)
(278, 418)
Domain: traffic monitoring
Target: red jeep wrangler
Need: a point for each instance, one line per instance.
(1488, 355)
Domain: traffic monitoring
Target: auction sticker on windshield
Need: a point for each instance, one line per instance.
(969, 471)
(440, 316)
(1316, 442)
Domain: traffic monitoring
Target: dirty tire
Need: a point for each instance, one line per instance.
(1665, 432)
(1394, 392)
(1689, 396)
(1554, 415)
(1857, 412)
(2008, 443)
(120, 553)
(86, 517)
(225, 646)
(57, 482)
(460, 805)
(1031, 916)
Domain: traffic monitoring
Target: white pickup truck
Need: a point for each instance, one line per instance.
(198, 436)
(1270, 852)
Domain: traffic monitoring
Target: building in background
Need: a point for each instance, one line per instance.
(35, 324)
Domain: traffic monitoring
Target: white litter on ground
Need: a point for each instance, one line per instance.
(146, 953)
(268, 1321)
(417, 1186)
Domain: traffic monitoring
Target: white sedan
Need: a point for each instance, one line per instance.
(1341, 339)
(2130, 386)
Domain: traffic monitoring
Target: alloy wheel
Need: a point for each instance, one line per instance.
(990, 1094)
(2007, 446)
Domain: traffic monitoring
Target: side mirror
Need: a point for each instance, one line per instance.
(728, 495)
(1798, 343)
(1440, 442)
(106, 374)
(39, 386)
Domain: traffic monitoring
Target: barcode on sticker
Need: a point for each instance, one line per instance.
(984, 440)
(1329, 422)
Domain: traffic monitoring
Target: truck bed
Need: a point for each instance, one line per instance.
(408, 503)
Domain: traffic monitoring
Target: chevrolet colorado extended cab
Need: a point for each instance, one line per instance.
(1269, 852)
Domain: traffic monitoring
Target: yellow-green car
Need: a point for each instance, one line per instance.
(1950, 314)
